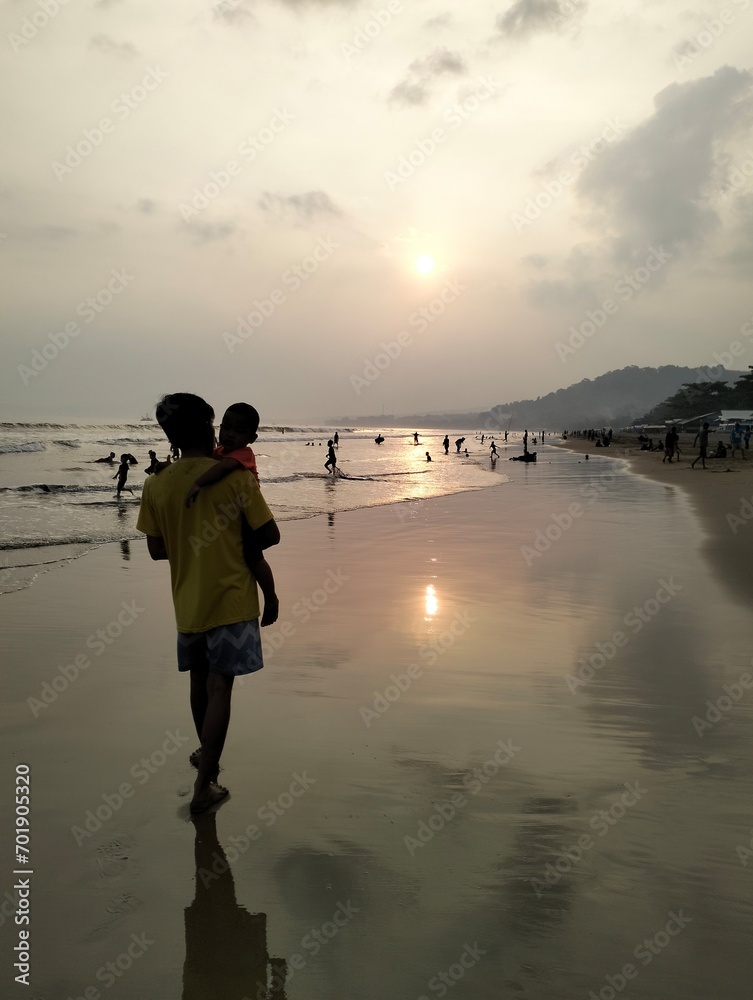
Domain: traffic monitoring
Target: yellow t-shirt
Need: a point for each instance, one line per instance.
(212, 585)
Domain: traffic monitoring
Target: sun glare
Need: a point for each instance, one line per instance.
(425, 264)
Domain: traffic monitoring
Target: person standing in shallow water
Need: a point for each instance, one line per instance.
(331, 463)
(214, 594)
(446, 445)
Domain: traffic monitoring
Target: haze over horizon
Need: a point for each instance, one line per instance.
(407, 206)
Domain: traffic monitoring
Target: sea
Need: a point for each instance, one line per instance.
(57, 502)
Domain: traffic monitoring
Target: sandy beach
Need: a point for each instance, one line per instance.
(500, 747)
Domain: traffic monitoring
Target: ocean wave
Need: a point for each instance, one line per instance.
(59, 488)
(39, 543)
(72, 443)
(8, 449)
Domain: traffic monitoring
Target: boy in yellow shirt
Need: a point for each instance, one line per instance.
(214, 594)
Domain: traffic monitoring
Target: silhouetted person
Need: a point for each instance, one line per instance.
(336, 439)
(525, 442)
(153, 463)
(331, 463)
(122, 475)
(378, 439)
(110, 459)
(446, 445)
(415, 437)
(459, 444)
(493, 449)
(428, 457)
(702, 437)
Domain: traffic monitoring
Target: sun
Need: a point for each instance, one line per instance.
(425, 264)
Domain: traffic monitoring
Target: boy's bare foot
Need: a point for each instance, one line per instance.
(210, 797)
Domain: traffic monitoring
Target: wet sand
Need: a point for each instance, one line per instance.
(721, 495)
(471, 763)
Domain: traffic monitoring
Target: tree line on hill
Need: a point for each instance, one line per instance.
(696, 399)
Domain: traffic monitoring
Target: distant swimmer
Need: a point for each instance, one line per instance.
(446, 445)
(415, 437)
(428, 457)
(331, 463)
(378, 439)
(459, 444)
(110, 458)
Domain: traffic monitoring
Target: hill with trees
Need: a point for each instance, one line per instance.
(617, 399)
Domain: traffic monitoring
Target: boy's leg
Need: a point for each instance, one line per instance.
(219, 689)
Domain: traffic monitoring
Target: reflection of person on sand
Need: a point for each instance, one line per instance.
(446, 445)
(122, 475)
(110, 459)
(226, 946)
(215, 597)
(331, 462)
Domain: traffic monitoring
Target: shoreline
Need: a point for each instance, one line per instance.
(720, 495)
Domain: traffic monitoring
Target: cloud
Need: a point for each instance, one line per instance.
(415, 89)
(232, 11)
(655, 185)
(210, 232)
(146, 205)
(106, 44)
(527, 17)
(301, 208)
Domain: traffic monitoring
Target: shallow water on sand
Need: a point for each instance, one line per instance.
(420, 803)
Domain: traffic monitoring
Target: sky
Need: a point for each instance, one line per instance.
(333, 208)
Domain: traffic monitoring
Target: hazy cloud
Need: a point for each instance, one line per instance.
(232, 10)
(416, 87)
(654, 185)
(301, 208)
(526, 17)
(146, 205)
(210, 232)
(106, 44)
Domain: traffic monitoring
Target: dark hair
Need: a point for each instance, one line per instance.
(247, 414)
(185, 419)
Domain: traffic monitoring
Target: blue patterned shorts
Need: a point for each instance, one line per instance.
(231, 650)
